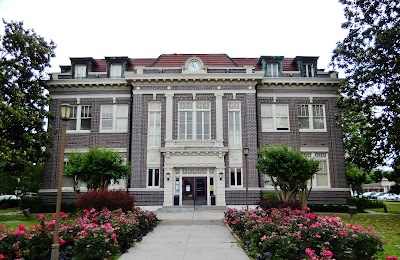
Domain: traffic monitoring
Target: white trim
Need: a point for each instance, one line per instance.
(85, 150)
(90, 96)
(315, 149)
(296, 95)
(190, 91)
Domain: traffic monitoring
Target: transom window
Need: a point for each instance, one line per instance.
(274, 117)
(153, 178)
(234, 125)
(114, 118)
(321, 179)
(80, 71)
(272, 70)
(154, 127)
(311, 117)
(115, 70)
(80, 119)
(235, 177)
(194, 120)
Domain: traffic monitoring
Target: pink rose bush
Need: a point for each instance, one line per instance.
(92, 235)
(298, 234)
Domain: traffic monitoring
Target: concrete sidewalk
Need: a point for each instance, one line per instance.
(188, 234)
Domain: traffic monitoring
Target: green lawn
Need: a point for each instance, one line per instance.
(392, 207)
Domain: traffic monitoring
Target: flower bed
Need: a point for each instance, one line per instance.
(298, 234)
(92, 235)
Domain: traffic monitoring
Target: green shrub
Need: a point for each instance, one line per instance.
(6, 204)
(362, 204)
(36, 205)
(328, 208)
(270, 200)
(112, 200)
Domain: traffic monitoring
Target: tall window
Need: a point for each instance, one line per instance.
(114, 118)
(234, 131)
(235, 177)
(321, 179)
(272, 70)
(154, 126)
(153, 178)
(274, 117)
(311, 117)
(80, 71)
(81, 118)
(308, 70)
(194, 120)
(116, 70)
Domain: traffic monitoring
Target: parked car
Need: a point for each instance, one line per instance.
(368, 194)
(29, 194)
(389, 196)
(8, 197)
(376, 195)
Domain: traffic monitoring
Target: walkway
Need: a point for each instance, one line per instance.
(188, 234)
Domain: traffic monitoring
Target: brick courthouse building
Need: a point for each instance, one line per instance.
(182, 121)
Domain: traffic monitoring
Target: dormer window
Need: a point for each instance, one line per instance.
(116, 70)
(271, 65)
(308, 70)
(117, 65)
(80, 71)
(272, 70)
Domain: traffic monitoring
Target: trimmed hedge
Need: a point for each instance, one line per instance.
(110, 199)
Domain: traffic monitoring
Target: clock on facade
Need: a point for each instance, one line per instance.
(194, 65)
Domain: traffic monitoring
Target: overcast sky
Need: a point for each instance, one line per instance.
(149, 28)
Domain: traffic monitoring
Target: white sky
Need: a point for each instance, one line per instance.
(149, 28)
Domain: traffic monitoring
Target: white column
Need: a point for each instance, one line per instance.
(220, 187)
(169, 116)
(219, 125)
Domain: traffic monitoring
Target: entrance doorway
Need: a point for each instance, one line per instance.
(194, 190)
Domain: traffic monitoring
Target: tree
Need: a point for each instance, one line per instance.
(370, 94)
(97, 168)
(25, 56)
(288, 170)
(355, 178)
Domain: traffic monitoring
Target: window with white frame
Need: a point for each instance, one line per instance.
(194, 120)
(153, 178)
(154, 125)
(234, 129)
(80, 71)
(321, 178)
(114, 118)
(235, 177)
(311, 117)
(274, 117)
(308, 70)
(272, 69)
(116, 70)
(80, 119)
(267, 181)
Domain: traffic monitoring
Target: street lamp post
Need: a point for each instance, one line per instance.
(245, 153)
(65, 113)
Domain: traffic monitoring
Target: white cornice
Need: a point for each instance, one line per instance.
(296, 81)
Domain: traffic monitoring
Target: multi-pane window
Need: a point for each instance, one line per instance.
(154, 126)
(80, 119)
(194, 120)
(234, 130)
(274, 117)
(311, 117)
(308, 70)
(114, 118)
(272, 70)
(235, 177)
(116, 70)
(321, 178)
(80, 71)
(153, 178)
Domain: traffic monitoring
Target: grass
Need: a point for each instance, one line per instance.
(392, 207)
(387, 225)
(13, 221)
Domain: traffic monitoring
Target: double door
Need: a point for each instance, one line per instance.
(194, 190)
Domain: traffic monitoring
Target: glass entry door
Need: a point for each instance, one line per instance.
(194, 190)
